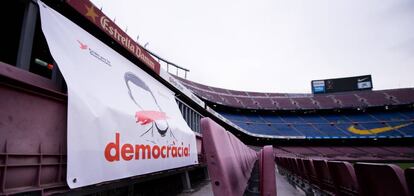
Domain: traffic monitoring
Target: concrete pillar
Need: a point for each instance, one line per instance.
(185, 180)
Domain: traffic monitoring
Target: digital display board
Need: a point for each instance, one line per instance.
(342, 84)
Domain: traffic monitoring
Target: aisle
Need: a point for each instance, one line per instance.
(284, 188)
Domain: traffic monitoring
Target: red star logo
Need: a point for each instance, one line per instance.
(91, 13)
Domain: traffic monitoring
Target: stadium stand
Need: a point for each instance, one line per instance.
(317, 176)
(267, 114)
(343, 177)
(267, 171)
(33, 157)
(286, 101)
(350, 153)
(380, 179)
(395, 124)
(328, 169)
(409, 176)
(322, 174)
(230, 162)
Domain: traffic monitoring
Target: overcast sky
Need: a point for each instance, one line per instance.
(276, 45)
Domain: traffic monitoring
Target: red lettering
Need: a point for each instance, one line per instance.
(108, 156)
(142, 148)
(186, 152)
(174, 151)
(168, 151)
(163, 155)
(115, 151)
(126, 151)
(156, 152)
(180, 150)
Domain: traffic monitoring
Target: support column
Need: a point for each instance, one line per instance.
(185, 180)
(206, 175)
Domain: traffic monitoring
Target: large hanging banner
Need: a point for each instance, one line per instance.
(121, 121)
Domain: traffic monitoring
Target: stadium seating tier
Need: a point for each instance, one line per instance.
(328, 126)
(301, 101)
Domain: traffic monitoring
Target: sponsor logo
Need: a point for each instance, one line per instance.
(318, 83)
(113, 31)
(355, 130)
(362, 79)
(362, 85)
(318, 86)
(329, 84)
(109, 27)
(90, 12)
(93, 53)
(319, 89)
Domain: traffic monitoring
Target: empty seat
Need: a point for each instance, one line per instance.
(409, 176)
(295, 166)
(229, 161)
(343, 177)
(380, 179)
(302, 169)
(323, 175)
(310, 172)
(267, 172)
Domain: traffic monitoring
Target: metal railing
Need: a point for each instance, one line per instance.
(191, 116)
(168, 63)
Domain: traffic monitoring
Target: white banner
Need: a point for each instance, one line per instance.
(121, 121)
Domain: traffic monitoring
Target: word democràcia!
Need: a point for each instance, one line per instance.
(130, 152)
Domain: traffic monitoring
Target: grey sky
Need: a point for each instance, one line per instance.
(276, 45)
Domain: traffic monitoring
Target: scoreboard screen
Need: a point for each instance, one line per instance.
(342, 84)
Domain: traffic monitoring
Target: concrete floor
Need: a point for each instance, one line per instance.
(282, 186)
(204, 189)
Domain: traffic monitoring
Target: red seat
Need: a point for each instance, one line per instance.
(267, 172)
(380, 179)
(310, 172)
(409, 177)
(323, 174)
(301, 169)
(343, 177)
(229, 161)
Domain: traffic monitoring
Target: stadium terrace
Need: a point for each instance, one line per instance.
(344, 138)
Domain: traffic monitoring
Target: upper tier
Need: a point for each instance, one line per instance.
(303, 101)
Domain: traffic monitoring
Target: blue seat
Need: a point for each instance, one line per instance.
(365, 125)
(331, 130)
(308, 130)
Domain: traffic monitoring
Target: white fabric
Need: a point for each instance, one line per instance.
(99, 106)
